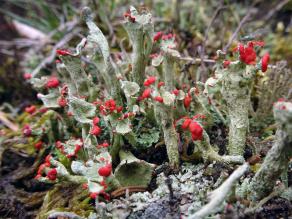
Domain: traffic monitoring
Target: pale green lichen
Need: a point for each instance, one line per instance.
(234, 83)
(189, 184)
(140, 33)
(132, 171)
(166, 115)
(210, 155)
(164, 112)
(100, 55)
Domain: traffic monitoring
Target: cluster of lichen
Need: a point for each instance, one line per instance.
(94, 111)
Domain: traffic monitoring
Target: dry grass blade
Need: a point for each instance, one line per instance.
(7, 122)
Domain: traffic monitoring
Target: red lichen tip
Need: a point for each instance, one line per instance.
(247, 55)
(265, 62)
(26, 130)
(105, 195)
(48, 159)
(150, 80)
(199, 116)
(95, 120)
(38, 176)
(105, 171)
(52, 82)
(196, 131)
(103, 145)
(52, 174)
(85, 186)
(93, 195)
(158, 99)
(175, 92)
(30, 109)
(119, 109)
(168, 36)
(186, 123)
(160, 84)
(146, 93)
(281, 100)
(38, 145)
(43, 110)
(226, 63)
(187, 101)
(63, 52)
(27, 76)
(62, 102)
(130, 17)
(96, 130)
(256, 43)
(157, 36)
(77, 148)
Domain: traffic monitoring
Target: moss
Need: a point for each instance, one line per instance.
(66, 197)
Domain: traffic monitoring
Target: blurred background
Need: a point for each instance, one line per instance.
(32, 30)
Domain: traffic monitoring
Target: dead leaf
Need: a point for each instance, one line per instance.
(28, 31)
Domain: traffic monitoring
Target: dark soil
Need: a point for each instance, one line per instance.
(218, 136)
(21, 196)
(275, 208)
(153, 155)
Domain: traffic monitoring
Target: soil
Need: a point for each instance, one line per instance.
(275, 208)
(21, 196)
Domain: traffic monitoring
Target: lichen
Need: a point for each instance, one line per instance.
(278, 158)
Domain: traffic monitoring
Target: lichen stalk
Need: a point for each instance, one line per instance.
(168, 72)
(138, 58)
(234, 80)
(210, 155)
(170, 137)
(139, 33)
(102, 58)
(278, 158)
(65, 75)
(236, 89)
(166, 115)
(77, 73)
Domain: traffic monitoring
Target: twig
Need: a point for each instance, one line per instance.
(7, 52)
(64, 214)
(19, 43)
(196, 61)
(240, 25)
(130, 189)
(203, 74)
(216, 13)
(242, 22)
(219, 194)
(201, 49)
(8, 123)
(275, 9)
(24, 42)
